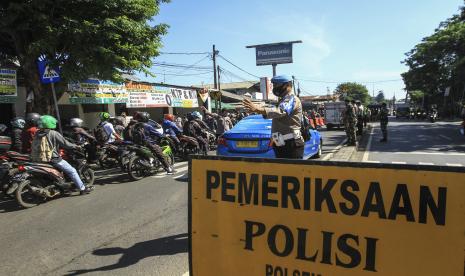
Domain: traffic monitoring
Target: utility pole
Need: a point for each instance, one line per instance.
(215, 73)
(219, 88)
(293, 83)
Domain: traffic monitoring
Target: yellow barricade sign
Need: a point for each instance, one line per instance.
(304, 218)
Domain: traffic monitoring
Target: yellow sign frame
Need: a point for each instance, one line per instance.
(247, 217)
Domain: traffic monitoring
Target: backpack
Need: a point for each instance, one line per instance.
(138, 134)
(41, 151)
(100, 134)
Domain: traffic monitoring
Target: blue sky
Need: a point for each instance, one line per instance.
(357, 40)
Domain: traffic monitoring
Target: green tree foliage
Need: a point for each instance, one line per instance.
(353, 91)
(99, 38)
(416, 97)
(439, 61)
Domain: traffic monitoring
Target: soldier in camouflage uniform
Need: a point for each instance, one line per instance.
(383, 119)
(350, 121)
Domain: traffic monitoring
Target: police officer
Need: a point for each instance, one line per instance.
(286, 119)
(383, 118)
(350, 121)
(360, 112)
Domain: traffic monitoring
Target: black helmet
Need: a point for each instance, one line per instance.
(142, 116)
(32, 119)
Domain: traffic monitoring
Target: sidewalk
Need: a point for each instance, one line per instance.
(345, 153)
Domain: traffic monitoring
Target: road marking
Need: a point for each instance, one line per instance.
(445, 137)
(372, 161)
(183, 169)
(425, 163)
(329, 155)
(186, 274)
(398, 162)
(453, 165)
(178, 170)
(367, 150)
(179, 164)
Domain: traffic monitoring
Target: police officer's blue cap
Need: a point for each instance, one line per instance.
(281, 79)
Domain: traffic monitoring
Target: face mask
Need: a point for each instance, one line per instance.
(280, 90)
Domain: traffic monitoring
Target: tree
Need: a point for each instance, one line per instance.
(380, 97)
(416, 97)
(353, 91)
(438, 62)
(101, 38)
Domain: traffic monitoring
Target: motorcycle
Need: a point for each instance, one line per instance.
(211, 138)
(108, 155)
(189, 145)
(38, 182)
(432, 117)
(77, 159)
(143, 163)
(9, 162)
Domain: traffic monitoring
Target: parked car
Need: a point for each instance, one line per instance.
(251, 137)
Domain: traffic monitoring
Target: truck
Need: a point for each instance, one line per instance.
(403, 110)
(334, 113)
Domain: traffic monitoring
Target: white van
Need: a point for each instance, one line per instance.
(334, 114)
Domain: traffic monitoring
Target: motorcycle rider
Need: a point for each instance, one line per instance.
(80, 135)
(151, 136)
(105, 132)
(32, 123)
(171, 129)
(193, 129)
(56, 141)
(118, 124)
(17, 126)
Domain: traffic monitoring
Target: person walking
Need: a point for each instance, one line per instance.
(383, 119)
(286, 119)
(350, 121)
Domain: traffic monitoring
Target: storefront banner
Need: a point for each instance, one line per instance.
(146, 95)
(8, 86)
(183, 98)
(94, 91)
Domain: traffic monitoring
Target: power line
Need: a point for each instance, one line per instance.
(180, 75)
(191, 66)
(176, 65)
(184, 53)
(225, 59)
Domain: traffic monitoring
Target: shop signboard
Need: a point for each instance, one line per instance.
(94, 91)
(8, 86)
(146, 95)
(185, 98)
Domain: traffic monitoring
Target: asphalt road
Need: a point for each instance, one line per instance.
(416, 142)
(122, 228)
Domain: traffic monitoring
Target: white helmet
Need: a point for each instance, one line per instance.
(76, 122)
